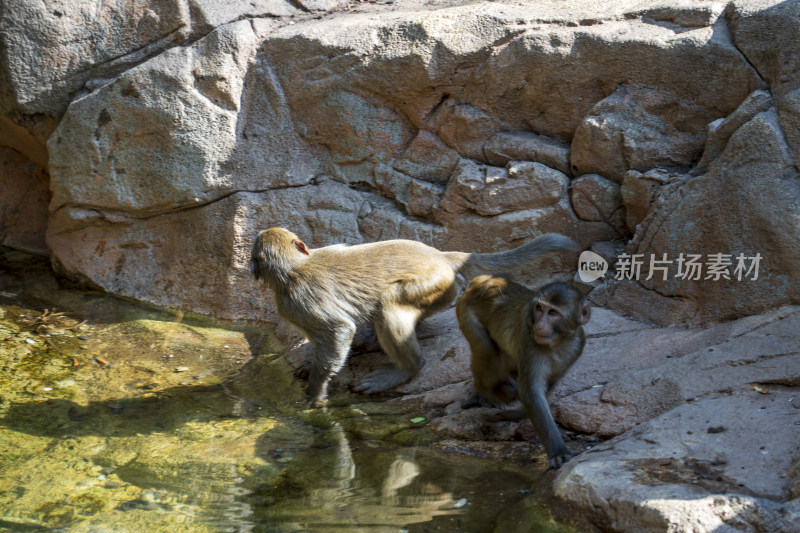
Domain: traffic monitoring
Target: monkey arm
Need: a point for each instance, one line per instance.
(330, 353)
(532, 391)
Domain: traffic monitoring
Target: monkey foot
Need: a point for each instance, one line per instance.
(478, 400)
(382, 379)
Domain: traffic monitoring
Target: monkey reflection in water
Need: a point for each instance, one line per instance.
(327, 293)
(350, 490)
(535, 335)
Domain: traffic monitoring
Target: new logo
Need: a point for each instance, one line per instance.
(591, 267)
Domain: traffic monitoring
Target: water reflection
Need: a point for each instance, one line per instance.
(229, 457)
(143, 445)
(374, 488)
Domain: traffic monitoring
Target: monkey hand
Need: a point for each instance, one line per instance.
(561, 457)
(313, 402)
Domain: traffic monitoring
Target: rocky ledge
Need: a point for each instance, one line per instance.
(143, 144)
(680, 429)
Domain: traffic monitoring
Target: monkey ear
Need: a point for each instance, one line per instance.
(586, 312)
(300, 245)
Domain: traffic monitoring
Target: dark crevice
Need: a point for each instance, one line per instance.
(134, 217)
(727, 23)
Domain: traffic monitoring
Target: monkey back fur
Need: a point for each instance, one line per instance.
(328, 292)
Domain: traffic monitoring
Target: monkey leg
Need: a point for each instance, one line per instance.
(532, 393)
(491, 368)
(395, 330)
(330, 354)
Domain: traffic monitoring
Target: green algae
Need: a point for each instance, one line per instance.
(119, 417)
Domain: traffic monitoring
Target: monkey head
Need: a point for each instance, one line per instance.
(558, 310)
(276, 253)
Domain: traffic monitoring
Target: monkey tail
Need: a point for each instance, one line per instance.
(502, 261)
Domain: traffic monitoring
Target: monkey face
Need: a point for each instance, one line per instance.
(558, 311)
(548, 324)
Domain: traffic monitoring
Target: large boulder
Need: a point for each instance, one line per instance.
(703, 423)
(598, 199)
(164, 136)
(747, 260)
(51, 51)
(630, 130)
(56, 52)
(393, 106)
(760, 30)
(728, 215)
(705, 466)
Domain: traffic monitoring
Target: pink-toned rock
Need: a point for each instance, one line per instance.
(427, 158)
(761, 29)
(152, 259)
(53, 50)
(465, 128)
(789, 113)
(418, 198)
(719, 132)
(719, 463)
(759, 262)
(259, 105)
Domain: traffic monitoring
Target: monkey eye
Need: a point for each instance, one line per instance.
(538, 308)
(553, 312)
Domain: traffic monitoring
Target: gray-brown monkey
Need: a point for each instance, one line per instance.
(533, 334)
(328, 292)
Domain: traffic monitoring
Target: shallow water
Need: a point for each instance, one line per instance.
(119, 418)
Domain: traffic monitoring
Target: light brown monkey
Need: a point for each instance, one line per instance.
(535, 335)
(328, 292)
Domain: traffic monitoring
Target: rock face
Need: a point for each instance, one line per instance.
(438, 118)
(685, 471)
(143, 145)
(709, 449)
